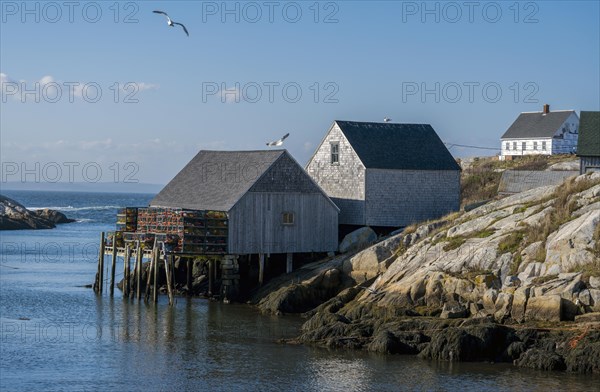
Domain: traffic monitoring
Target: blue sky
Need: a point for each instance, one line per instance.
(371, 61)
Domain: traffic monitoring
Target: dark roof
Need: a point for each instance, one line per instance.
(589, 134)
(537, 124)
(398, 146)
(215, 180)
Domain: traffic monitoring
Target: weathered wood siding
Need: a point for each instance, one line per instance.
(256, 224)
(344, 182)
(256, 220)
(589, 164)
(400, 197)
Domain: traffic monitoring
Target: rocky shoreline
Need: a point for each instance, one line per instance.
(514, 280)
(14, 216)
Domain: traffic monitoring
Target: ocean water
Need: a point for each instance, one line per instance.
(56, 334)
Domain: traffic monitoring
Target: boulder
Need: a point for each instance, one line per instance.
(14, 216)
(570, 245)
(53, 216)
(358, 239)
(371, 261)
(544, 308)
(519, 303)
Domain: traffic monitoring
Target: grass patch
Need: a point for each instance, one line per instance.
(543, 279)
(484, 233)
(516, 263)
(480, 181)
(520, 210)
(511, 242)
(563, 207)
(454, 243)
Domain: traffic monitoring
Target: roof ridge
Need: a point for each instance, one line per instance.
(552, 111)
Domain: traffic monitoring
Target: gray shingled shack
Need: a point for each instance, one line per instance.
(588, 148)
(386, 174)
(272, 205)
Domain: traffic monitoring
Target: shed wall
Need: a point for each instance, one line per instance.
(344, 183)
(256, 224)
(398, 198)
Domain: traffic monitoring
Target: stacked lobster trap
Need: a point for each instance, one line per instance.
(180, 230)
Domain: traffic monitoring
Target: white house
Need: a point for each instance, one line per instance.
(541, 133)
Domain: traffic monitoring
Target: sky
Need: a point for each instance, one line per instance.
(107, 91)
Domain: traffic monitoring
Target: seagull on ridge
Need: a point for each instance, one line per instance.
(279, 142)
(171, 23)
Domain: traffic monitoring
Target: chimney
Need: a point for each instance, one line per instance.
(546, 109)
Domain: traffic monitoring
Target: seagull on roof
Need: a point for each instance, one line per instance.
(171, 23)
(387, 120)
(279, 142)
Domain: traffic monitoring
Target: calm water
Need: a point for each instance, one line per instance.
(58, 335)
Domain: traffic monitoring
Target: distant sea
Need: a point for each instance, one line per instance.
(57, 335)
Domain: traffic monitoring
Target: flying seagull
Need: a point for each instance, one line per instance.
(387, 120)
(279, 142)
(171, 23)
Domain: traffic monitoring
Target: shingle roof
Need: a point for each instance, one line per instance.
(398, 146)
(215, 180)
(589, 134)
(536, 124)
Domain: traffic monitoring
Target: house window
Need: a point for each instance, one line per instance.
(523, 146)
(515, 146)
(335, 153)
(535, 145)
(544, 146)
(288, 218)
(507, 145)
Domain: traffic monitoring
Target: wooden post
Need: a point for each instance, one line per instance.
(190, 266)
(211, 279)
(126, 260)
(101, 264)
(113, 266)
(289, 262)
(168, 265)
(155, 273)
(261, 268)
(149, 278)
(139, 258)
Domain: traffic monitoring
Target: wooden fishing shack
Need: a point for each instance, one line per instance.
(228, 205)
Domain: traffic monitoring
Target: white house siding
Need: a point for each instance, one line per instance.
(256, 224)
(565, 140)
(529, 147)
(344, 183)
(400, 197)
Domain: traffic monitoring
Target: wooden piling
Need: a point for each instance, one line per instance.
(155, 274)
(261, 268)
(211, 279)
(100, 282)
(139, 258)
(190, 266)
(289, 263)
(126, 260)
(113, 266)
(168, 268)
(149, 278)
